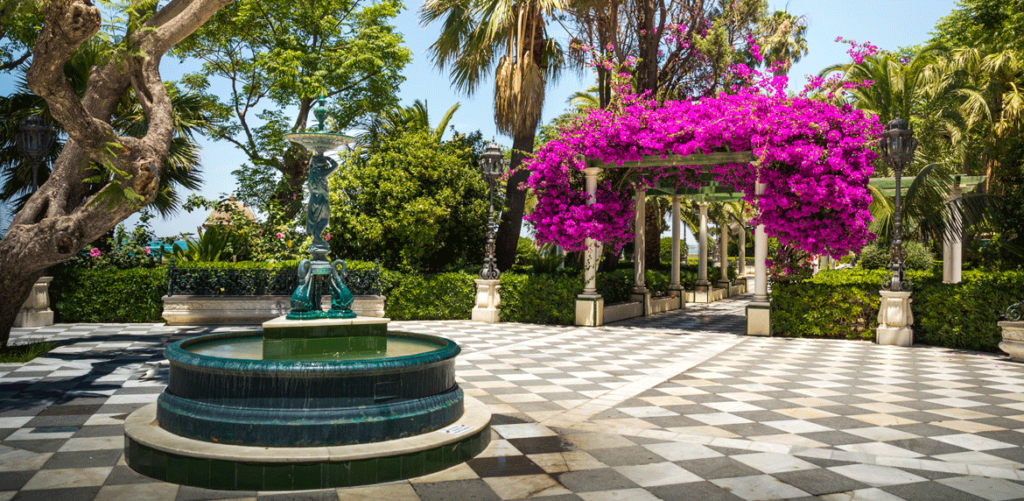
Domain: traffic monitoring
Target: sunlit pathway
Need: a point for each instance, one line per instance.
(674, 406)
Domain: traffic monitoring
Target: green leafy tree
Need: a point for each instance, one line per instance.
(412, 203)
(511, 37)
(396, 121)
(277, 54)
(18, 19)
(76, 206)
(192, 115)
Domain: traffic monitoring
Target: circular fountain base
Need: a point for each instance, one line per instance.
(160, 454)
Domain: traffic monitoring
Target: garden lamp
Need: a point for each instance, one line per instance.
(897, 146)
(492, 166)
(35, 140)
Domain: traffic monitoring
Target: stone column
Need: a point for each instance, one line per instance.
(488, 301)
(723, 252)
(590, 304)
(674, 286)
(895, 319)
(759, 310)
(952, 247)
(741, 261)
(36, 311)
(640, 292)
(702, 289)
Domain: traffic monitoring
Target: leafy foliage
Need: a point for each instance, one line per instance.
(279, 54)
(91, 295)
(412, 203)
(844, 304)
(442, 296)
(915, 257)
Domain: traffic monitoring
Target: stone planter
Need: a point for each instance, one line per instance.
(1013, 339)
(895, 318)
(217, 310)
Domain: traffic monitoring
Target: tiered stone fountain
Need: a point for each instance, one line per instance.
(319, 399)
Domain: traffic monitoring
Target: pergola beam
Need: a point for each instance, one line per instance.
(727, 157)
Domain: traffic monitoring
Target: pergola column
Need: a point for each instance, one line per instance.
(590, 304)
(952, 246)
(703, 291)
(723, 257)
(675, 286)
(640, 292)
(741, 260)
(759, 310)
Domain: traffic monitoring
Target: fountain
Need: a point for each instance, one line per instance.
(319, 399)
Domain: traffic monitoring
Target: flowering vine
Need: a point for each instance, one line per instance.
(813, 157)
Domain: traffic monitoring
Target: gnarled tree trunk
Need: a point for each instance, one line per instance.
(61, 218)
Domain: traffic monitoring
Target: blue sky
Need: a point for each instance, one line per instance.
(889, 24)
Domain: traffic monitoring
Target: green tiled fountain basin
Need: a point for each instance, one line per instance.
(154, 452)
(303, 403)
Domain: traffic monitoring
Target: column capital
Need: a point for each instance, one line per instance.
(592, 171)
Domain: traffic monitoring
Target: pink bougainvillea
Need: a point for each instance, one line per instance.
(812, 156)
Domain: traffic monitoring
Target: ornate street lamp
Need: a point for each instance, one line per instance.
(897, 145)
(492, 165)
(35, 140)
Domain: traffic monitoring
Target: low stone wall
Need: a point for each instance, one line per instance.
(216, 310)
(663, 304)
(622, 311)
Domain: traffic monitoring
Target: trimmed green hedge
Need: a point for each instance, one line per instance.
(441, 296)
(844, 304)
(540, 298)
(108, 295)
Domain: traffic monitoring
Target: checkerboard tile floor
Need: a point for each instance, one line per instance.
(674, 406)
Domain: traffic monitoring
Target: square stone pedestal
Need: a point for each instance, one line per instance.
(895, 319)
(589, 310)
(36, 311)
(702, 292)
(1013, 339)
(759, 318)
(488, 301)
(296, 339)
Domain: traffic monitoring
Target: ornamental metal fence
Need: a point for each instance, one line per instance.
(258, 282)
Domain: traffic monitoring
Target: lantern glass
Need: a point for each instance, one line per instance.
(492, 163)
(34, 139)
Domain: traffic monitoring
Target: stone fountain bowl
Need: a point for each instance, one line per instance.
(319, 142)
(307, 403)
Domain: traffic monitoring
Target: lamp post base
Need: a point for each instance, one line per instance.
(895, 319)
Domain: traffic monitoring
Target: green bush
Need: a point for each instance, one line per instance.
(526, 252)
(666, 250)
(915, 257)
(844, 304)
(540, 298)
(441, 296)
(107, 295)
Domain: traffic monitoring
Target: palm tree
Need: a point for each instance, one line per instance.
(396, 120)
(781, 37)
(927, 212)
(986, 88)
(509, 36)
(898, 86)
(180, 169)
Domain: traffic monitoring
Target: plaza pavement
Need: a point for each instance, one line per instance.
(678, 406)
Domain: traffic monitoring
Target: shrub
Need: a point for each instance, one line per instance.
(915, 257)
(108, 295)
(526, 252)
(540, 298)
(666, 250)
(844, 304)
(442, 296)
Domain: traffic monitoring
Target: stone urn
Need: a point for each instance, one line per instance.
(1013, 332)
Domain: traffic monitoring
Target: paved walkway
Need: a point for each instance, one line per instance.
(672, 407)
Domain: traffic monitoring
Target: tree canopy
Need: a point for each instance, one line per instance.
(279, 53)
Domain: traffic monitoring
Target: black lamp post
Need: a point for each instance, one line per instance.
(492, 165)
(35, 140)
(897, 145)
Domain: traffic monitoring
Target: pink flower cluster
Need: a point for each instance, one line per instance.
(94, 253)
(814, 158)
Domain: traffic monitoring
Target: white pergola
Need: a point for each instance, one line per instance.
(590, 304)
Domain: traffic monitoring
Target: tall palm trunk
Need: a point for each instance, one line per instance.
(515, 203)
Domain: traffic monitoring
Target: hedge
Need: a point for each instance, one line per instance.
(844, 304)
(107, 295)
